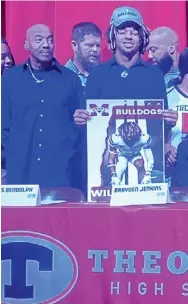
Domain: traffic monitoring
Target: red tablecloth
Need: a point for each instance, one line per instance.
(88, 254)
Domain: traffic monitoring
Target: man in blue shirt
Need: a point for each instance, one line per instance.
(126, 75)
(164, 52)
(38, 102)
(86, 45)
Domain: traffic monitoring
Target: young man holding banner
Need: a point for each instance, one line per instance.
(126, 75)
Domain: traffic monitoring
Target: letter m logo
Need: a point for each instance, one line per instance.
(102, 110)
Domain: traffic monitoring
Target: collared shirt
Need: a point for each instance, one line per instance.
(110, 80)
(38, 132)
(71, 66)
(171, 77)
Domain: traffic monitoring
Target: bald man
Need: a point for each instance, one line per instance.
(163, 51)
(39, 98)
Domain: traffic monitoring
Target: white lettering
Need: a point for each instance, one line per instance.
(142, 288)
(128, 111)
(159, 288)
(185, 288)
(100, 192)
(129, 288)
(114, 288)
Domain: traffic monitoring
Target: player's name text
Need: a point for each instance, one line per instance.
(21, 189)
(136, 189)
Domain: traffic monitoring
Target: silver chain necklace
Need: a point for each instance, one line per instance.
(37, 80)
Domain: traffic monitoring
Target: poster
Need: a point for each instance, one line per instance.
(125, 144)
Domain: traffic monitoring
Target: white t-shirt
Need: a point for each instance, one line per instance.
(178, 101)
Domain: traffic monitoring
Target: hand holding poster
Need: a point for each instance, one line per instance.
(125, 141)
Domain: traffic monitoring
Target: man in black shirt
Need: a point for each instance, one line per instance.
(126, 75)
(39, 98)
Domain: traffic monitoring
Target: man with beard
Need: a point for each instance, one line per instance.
(86, 45)
(7, 62)
(39, 98)
(164, 53)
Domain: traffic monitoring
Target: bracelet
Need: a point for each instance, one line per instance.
(114, 174)
(111, 165)
(148, 173)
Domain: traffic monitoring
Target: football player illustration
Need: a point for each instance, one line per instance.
(129, 144)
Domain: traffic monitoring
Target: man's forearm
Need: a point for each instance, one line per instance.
(111, 163)
(150, 160)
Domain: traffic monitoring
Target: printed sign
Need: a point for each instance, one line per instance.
(125, 141)
(152, 194)
(20, 195)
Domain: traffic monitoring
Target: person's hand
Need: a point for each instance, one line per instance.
(171, 117)
(115, 181)
(81, 117)
(170, 155)
(146, 179)
(3, 172)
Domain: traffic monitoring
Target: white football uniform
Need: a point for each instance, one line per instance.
(116, 142)
(127, 154)
(178, 101)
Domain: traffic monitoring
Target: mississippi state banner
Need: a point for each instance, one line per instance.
(125, 144)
